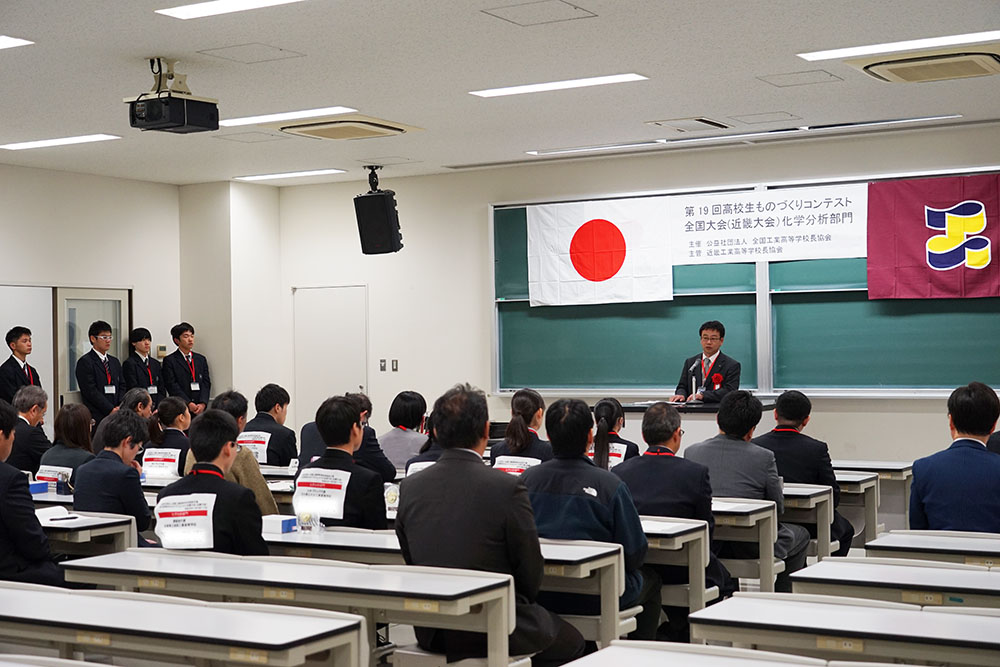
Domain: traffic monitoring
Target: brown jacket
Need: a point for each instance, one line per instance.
(245, 472)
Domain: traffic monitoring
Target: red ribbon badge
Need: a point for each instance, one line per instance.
(716, 378)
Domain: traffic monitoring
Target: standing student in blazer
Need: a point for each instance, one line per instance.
(99, 374)
(406, 415)
(521, 437)
(185, 372)
(610, 418)
(141, 370)
(31, 443)
(714, 374)
(16, 372)
(340, 427)
(272, 410)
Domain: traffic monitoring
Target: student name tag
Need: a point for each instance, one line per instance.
(53, 475)
(418, 466)
(616, 453)
(160, 463)
(185, 522)
(321, 492)
(110, 389)
(256, 442)
(151, 390)
(195, 386)
(515, 465)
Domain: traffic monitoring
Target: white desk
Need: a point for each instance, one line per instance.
(434, 597)
(929, 586)
(948, 548)
(861, 489)
(744, 520)
(895, 478)
(277, 472)
(168, 630)
(841, 630)
(681, 542)
(812, 504)
(83, 534)
(664, 654)
(50, 498)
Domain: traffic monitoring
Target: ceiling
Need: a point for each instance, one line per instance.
(414, 61)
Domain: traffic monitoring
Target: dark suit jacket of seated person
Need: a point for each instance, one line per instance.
(714, 373)
(99, 374)
(575, 500)
(24, 549)
(364, 498)
(959, 488)
(31, 443)
(461, 513)
(142, 371)
(741, 469)
(110, 483)
(521, 437)
(16, 372)
(993, 444)
(72, 447)
(236, 519)
(609, 417)
(804, 460)
(174, 420)
(185, 372)
(272, 409)
(369, 455)
(663, 484)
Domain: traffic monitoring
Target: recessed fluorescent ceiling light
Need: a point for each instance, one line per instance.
(727, 137)
(10, 42)
(202, 9)
(290, 174)
(558, 85)
(589, 149)
(45, 143)
(907, 45)
(287, 115)
(872, 123)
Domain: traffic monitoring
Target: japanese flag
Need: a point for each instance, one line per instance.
(599, 252)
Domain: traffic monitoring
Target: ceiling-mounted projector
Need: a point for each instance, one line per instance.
(170, 106)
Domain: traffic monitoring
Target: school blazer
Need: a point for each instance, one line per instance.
(369, 454)
(725, 366)
(177, 377)
(13, 378)
(957, 489)
(536, 449)
(23, 545)
(136, 376)
(105, 484)
(281, 447)
(364, 501)
(91, 378)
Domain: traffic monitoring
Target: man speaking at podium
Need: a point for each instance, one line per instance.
(710, 375)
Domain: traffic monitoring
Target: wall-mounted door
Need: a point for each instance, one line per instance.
(76, 309)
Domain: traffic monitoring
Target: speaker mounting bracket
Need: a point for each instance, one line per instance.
(373, 177)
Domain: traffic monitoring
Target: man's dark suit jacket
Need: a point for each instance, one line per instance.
(105, 484)
(24, 549)
(236, 520)
(993, 444)
(91, 378)
(137, 375)
(369, 454)
(364, 501)
(30, 442)
(804, 460)
(461, 513)
(281, 447)
(725, 366)
(177, 377)
(957, 489)
(12, 378)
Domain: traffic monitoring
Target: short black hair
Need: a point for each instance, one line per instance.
(8, 418)
(135, 397)
(974, 409)
(231, 402)
(178, 329)
(124, 424)
(139, 334)
(739, 413)
(269, 396)
(567, 423)
(170, 409)
(335, 418)
(460, 417)
(407, 410)
(97, 328)
(713, 325)
(660, 423)
(793, 406)
(210, 431)
(364, 403)
(15, 333)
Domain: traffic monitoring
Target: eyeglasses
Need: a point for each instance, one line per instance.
(103, 337)
(682, 432)
(711, 339)
(237, 446)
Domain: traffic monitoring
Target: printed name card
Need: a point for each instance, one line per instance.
(53, 475)
(160, 463)
(256, 442)
(418, 466)
(321, 492)
(515, 465)
(185, 522)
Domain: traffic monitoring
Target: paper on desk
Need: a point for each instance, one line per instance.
(724, 506)
(49, 513)
(281, 486)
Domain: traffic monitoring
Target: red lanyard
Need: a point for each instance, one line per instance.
(107, 369)
(704, 373)
(150, 373)
(402, 428)
(663, 453)
(191, 366)
(207, 472)
(27, 369)
(786, 430)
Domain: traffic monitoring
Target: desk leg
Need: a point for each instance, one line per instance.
(345, 654)
(609, 606)
(496, 635)
(824, 517)
(871, 513)
(695, 553)
(906, 501)
(765, 542)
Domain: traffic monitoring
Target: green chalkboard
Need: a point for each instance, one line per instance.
(510, 253)
(819, 274)
(841, 339)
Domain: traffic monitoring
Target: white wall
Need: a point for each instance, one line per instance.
(431, 304)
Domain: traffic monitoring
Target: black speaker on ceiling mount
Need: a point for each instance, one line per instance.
(378, 220)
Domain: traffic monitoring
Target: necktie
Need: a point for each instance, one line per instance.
(107, 369)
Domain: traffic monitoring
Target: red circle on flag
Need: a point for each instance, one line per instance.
(597, 250)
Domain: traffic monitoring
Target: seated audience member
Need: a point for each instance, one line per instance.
(245, 470)
(993, 444)
(31, 443)
(369, 455)
(575, 500)
(741, 469)
(959, 488)
(16, 372)
(363, 501)
(406, 415)
(610, 449)
(142, 371)
(174, 418)
(804, 460)
(71, 448)
(521, 438)
(110, 482)
(460, 513)
(185, 372)
(272, 409)
(24, 549)
(136, 400)
(236, 520)
(99, 374)
(663, 484)
(429, 452)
